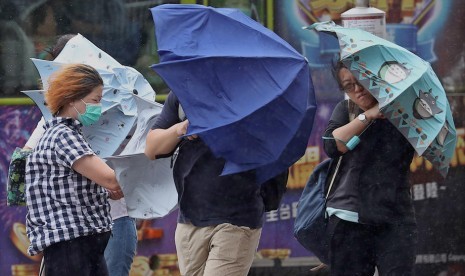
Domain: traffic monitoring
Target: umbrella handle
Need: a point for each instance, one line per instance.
(353, 142)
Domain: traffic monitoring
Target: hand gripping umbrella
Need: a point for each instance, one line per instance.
(246, 92)
(408, 91)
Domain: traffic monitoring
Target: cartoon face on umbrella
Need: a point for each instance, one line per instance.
(425, 106)
(393, 72)
(442, 136)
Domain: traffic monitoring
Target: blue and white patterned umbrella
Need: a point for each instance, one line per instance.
(129, 110)
(106, 135)
(148, 185)
(121, 83)
(409, 93)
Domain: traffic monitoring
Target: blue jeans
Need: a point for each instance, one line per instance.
(121, 247)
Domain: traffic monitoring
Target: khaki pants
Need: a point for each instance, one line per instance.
(223, 250)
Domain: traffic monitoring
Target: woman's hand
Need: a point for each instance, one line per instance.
(181, 130)
(374, 113)
(115, 195)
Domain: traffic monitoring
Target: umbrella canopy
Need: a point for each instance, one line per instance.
(121, 85)
(128, 112)
(148, 185)
(246, 92)
(147, 113)
(120, 82)
(106, 135)
(408, 91)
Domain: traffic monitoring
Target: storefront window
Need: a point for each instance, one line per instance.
(28, 29)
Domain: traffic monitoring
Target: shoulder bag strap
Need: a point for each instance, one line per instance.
(334, 176)
(351, 109)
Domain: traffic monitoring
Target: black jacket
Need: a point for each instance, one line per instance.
(205, 197)
(373, 179)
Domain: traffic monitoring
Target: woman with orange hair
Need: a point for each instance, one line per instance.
(67, 185)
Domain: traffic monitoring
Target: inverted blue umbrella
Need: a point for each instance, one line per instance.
(409, 93)
(246, 92)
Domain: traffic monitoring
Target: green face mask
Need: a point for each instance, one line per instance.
(91, 115)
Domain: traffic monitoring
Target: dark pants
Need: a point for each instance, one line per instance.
(81, 256)
(356, 249)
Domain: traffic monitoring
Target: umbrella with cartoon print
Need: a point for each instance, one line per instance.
(409, 93)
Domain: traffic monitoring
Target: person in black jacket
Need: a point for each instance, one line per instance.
(220, 217)
(372, 222)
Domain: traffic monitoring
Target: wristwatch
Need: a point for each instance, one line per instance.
(363, 118)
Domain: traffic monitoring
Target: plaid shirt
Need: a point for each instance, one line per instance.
(62, 204)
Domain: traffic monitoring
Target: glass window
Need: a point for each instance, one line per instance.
(122, 28)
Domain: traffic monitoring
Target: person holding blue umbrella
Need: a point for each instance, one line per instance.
(255, 83)
(220, 217)
(371, 216)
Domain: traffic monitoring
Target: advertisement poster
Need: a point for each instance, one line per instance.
(434, 30)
